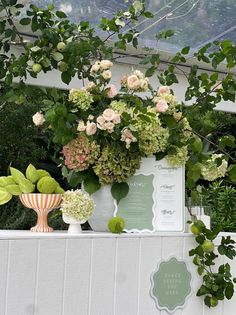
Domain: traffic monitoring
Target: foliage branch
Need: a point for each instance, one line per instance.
(218, 284)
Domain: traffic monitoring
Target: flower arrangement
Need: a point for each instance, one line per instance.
(105, 133)
(77, 204)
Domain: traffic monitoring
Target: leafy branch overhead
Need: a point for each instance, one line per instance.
(61, 44)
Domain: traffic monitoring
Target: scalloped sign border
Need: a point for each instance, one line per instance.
(171, 281)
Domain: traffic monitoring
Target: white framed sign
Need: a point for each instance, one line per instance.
(155, 201)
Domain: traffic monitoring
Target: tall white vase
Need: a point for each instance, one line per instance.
(104, 209)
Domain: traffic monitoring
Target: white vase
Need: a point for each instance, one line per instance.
(75, 225)
(104, 209)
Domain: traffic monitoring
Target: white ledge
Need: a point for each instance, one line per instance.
(20, 234)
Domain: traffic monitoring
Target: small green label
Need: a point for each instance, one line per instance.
(171, 285)
(137, 207)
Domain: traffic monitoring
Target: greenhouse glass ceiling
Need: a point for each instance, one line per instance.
(195, 22)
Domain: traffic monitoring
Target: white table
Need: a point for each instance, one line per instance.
(91, 274)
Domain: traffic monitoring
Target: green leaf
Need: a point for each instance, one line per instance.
(61, 14)
(25, 21)
(207, 300)
(57, 56)
(228, 141)
(202, 291)
(34, 24)
(197, 145)
(61, 110)
(200, 239)
(185, 50)
(148, 14)
(229, 291)
(91, 185)
(200, 270)
(221, 249)
(160, 155)
(232, 173)
(191, 252)
(119, 191)
(66, 77)
(75, 178)
(194, 172)
(165, 34)
(150, 71)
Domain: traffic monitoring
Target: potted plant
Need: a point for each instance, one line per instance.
(76, 208)
(37, 190)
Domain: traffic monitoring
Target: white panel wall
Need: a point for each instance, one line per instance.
(91, 274)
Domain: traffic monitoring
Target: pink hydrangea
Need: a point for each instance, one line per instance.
(79, 153)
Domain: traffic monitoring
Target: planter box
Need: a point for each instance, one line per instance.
(92, 273)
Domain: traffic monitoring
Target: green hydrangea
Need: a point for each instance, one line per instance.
(152, 137)
(116, 164)
(179, 158)
(119, 106)
(81, 99)
(210, 171)
(77, 204)
(186, 131)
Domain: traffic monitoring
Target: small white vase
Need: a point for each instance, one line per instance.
(104, 209)
(75, 225)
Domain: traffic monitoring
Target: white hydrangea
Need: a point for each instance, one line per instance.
(179, 158)
(210, 171)
(77, 204)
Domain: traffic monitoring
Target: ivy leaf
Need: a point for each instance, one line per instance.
(119, 191)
